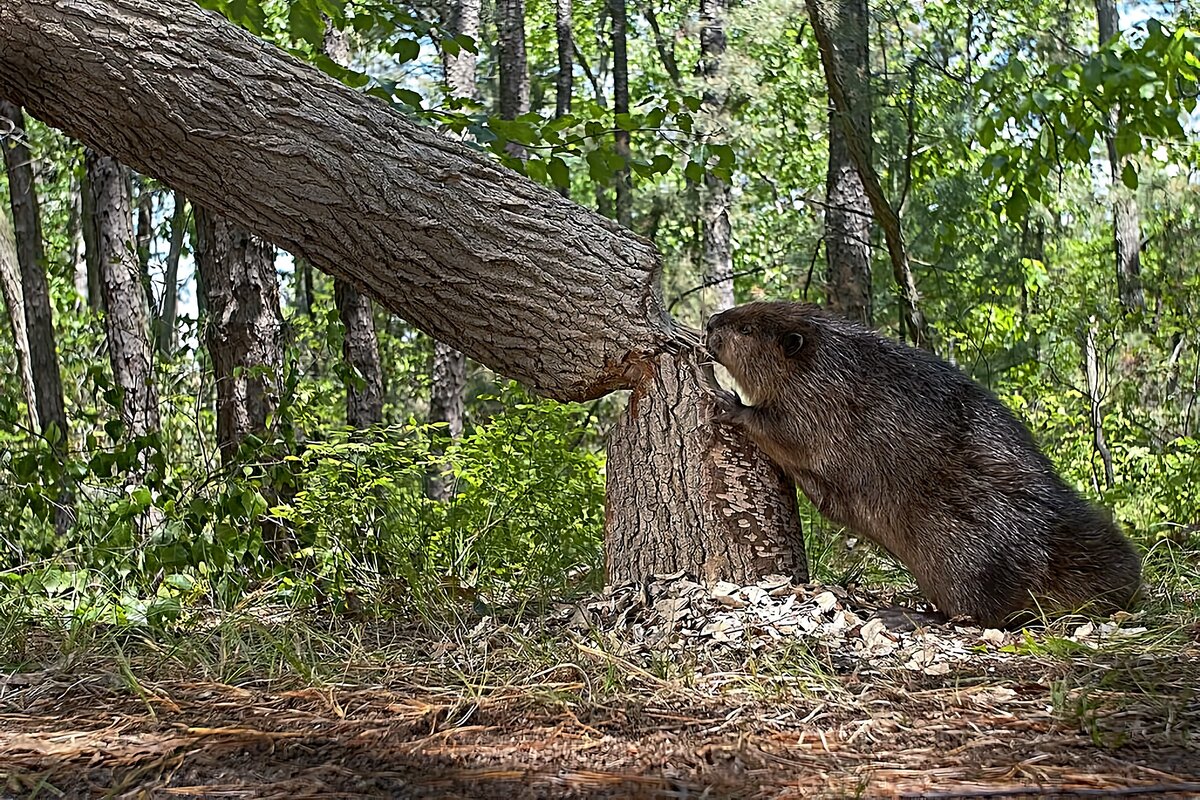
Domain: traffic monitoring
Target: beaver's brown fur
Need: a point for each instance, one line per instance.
(906, 450)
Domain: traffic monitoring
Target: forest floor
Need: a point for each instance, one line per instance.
(671, 691)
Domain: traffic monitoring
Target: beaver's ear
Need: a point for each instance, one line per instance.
(792, 344)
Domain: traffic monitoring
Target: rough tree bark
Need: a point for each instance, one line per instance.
(824, 15)
(564, 80)
(513, 63)
(10, 286)
(244, 329)
(521, 279)
(1127, 228)
(126, 323)
(165, 320)
(847, 209)
(620, 76)
(91, 249)
(35, 291)
(360, 346)
(664, 449)
(717, 235)
(564, 83)
(143, 231)
(27, 228)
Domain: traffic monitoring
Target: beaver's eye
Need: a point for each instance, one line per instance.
(745, 330)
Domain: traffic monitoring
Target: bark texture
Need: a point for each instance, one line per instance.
(620, 77)
(513, 63)
(1127, 228)
(10, 286)
(716, 235)
(244, 329)
(460, 67)
(27, 228)
(360, 345)
(564, 81)
(360, 349)
(126, 323)
(847, 210)
(823, 14)
(165, 321)
(737, 519)
(91, 249)
(521, 279)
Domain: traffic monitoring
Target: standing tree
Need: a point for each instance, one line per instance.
(620, 78)
(126, 323)
(10, 287)
(244, 329)
(1127, 229)
(826, 17)
(31, 259)
(508, 271)
(847, 209)
(565, 79)
(165, 319)
(716, 235)
(513, 64)
(360, 346)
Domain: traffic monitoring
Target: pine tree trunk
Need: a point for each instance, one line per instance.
(564, 80)
(360, 346)
(521, 279)
(1127, 229)
(35, 291)
(716, 233)
(165, 322)
(27, 229)
(75, 249)
(243, 330)
(826, 17)
(126, 325)
(14, 302)
(624, 185)
(91, 249)
(144, 231)
(847, 210)
(513, 64)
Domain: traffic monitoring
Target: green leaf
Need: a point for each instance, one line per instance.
(557, 169)
(536, 169)
(1127, 142)
(694, 171)
(598, 169)
(304, 22)
(114, 428)
(1148, 89)
(1129, 175)
(987, 132)
(1017, 205)
(406, 50)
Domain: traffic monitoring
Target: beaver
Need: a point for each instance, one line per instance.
(906, 450)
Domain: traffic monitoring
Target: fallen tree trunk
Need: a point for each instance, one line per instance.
(532, 285)
(519, 278)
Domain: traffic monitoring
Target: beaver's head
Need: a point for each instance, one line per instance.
(762, 344)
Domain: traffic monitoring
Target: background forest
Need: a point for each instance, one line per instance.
(191, 419)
